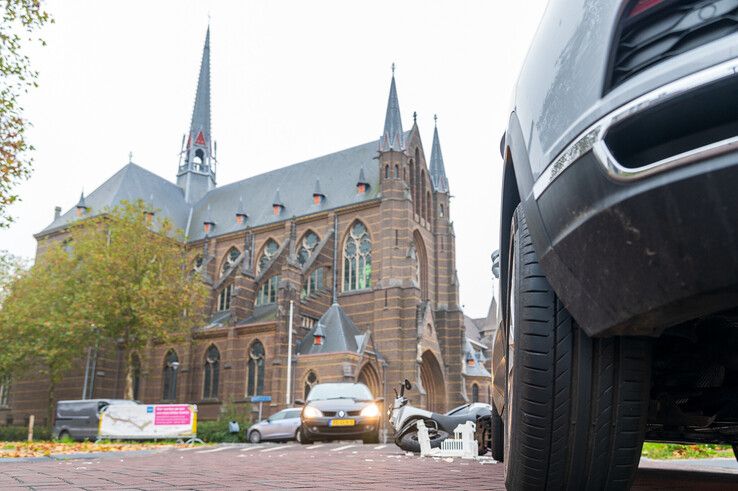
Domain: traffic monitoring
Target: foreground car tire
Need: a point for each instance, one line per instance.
(373, 438)
(575, 407)
(303, 438)
(255, 437)
(497, 450)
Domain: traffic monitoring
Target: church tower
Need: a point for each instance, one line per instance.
(196, 174)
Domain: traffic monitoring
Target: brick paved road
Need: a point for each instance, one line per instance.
(328, 466)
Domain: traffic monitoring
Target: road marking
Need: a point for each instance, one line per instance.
(342, 448)
(276, 447)
(314, 446)
(380, 447)
(188, 449)
(248, 449)
(219, 449)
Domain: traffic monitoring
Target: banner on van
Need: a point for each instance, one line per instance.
(145, 421)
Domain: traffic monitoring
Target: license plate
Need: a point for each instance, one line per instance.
(342, 422)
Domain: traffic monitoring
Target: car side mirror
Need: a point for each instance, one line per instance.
(299, 402)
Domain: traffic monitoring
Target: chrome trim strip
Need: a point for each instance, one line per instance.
(593, 137)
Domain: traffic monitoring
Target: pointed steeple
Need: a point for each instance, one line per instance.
(200, 124)
(437, 169)
(196, 173)
(392, 137)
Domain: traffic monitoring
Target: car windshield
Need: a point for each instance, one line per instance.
(339, 391)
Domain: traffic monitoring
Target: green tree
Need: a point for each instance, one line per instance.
(11, 267)
(136, 287)
(20, 21)
(39, 331)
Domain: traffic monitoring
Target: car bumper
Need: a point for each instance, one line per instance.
(637, 257)
(321, 428)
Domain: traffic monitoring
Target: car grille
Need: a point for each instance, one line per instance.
(330, 414)
(668, 30)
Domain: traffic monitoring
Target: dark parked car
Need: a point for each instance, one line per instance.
(340, 411)
(619, 240)
(79, 420)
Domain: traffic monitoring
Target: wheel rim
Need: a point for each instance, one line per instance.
(510, 358)
(298, 436)
(255, 437)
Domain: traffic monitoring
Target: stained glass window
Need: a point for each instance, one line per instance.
(357, 259)
(171, 363)
(267, 291)
(307, 247)
(212, 373)
(270, 249)
(229, 260)
(255, 384)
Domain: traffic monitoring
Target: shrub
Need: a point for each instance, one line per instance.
(13, 433)
(217, 431)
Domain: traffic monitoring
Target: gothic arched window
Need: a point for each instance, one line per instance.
(212, 373)
(136, 375)
(270, 250)
(267, 292)
(4, 390)
(224, 298)
(307, 247)
(255, 384)
(171, 364)
(475, 393)
(230, 260)
(357, 258)
(310, 381)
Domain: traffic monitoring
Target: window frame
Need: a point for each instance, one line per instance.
(211, 373)
(255, 370)
(352, 279)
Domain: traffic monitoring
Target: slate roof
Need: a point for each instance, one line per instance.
(338, 173)
(131, 183)
(341, 334)
(478, 369)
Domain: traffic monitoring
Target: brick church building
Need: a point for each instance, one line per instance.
(356, 246)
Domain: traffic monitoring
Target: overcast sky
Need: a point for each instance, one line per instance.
(291, 80)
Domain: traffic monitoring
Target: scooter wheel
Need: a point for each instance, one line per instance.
(409, 441)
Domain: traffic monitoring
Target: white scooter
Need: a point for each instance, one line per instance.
(404, 417)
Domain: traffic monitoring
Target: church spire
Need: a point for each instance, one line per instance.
(393, 137)
(437, 169)
(197, 171)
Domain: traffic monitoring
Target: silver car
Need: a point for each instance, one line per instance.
(618, 240)
(282, 426)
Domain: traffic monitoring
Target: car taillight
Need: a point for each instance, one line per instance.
(642, 6)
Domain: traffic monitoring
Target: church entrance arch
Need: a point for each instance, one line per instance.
(431, 376)
(369, 377)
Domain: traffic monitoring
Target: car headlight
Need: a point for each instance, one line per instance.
(311, 412)
(371, 411)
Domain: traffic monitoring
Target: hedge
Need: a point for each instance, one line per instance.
(12, 433)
